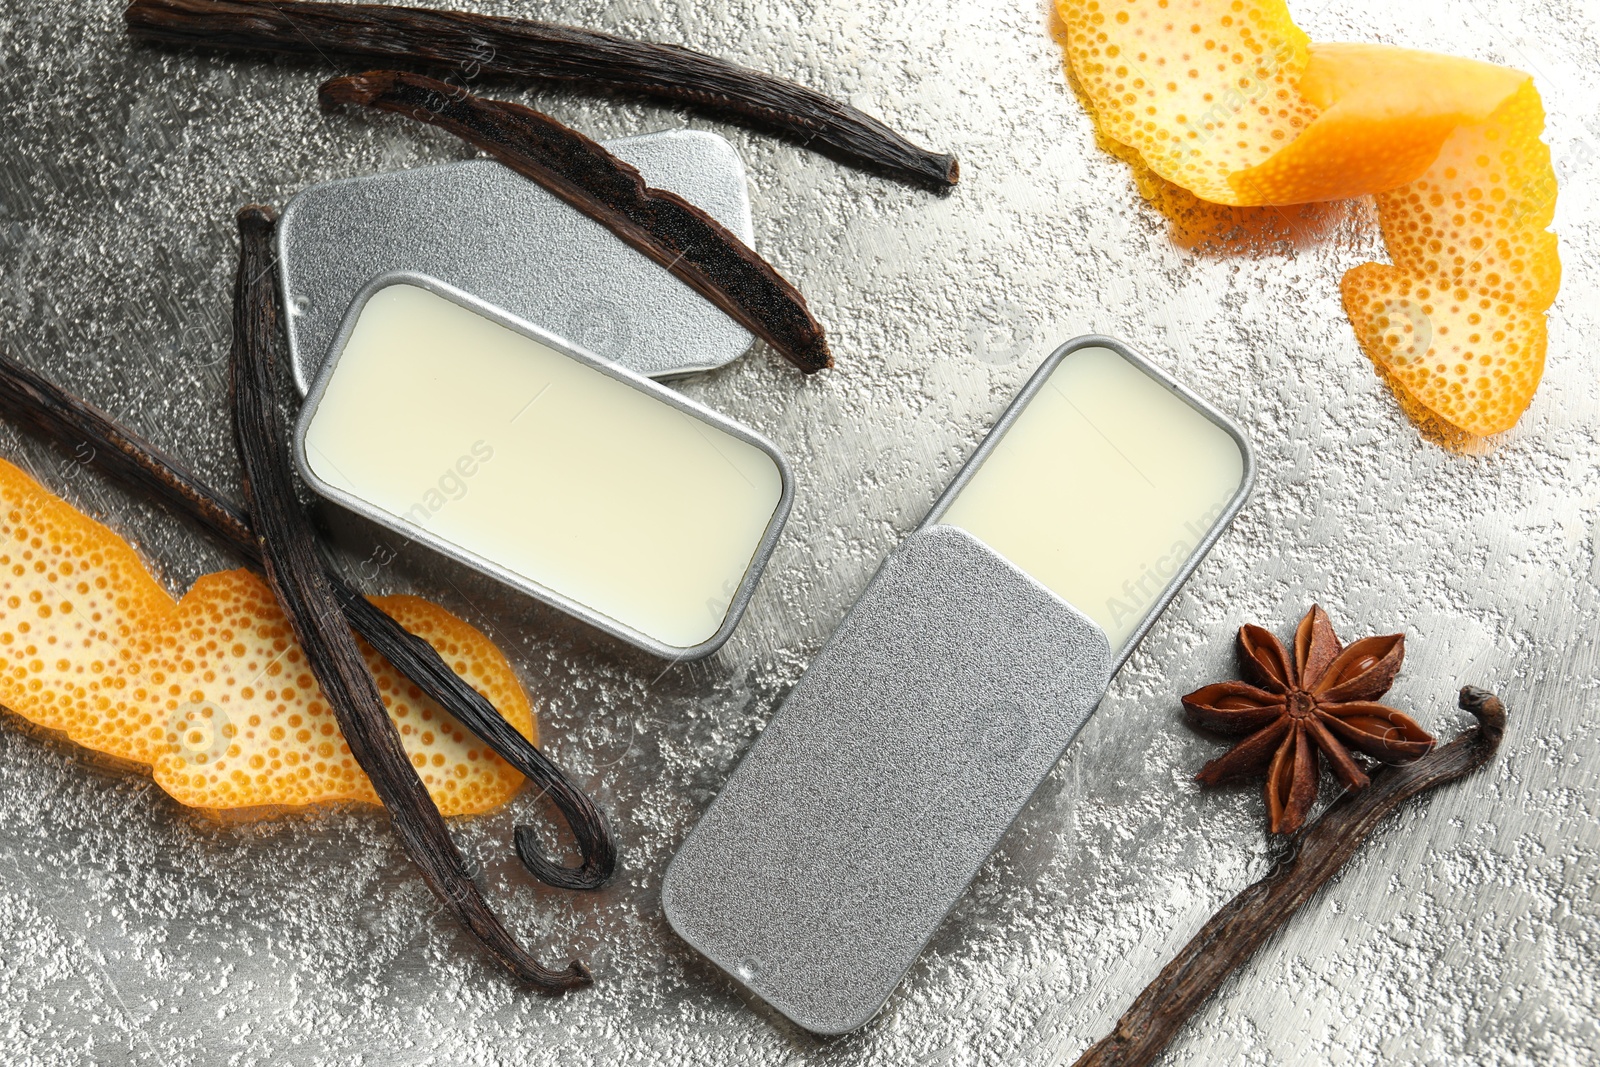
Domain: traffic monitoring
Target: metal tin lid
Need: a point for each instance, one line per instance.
(486, 230)
(870, 801)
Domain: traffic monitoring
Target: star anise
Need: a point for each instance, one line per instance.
(1321, 701)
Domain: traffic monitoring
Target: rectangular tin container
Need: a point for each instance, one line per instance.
(893, 768)
(741, 597)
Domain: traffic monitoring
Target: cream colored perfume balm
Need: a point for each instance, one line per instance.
(1102, 488)
(571, 478)
(975, 655)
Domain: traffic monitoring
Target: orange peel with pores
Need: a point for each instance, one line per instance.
(1229, 100)
(211, 692)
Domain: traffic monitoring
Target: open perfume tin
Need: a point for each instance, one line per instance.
(894, 767)
(489, 241)
(580, 434)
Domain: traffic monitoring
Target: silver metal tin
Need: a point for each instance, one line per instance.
(483, 228)
(894, 767)
(763, 553)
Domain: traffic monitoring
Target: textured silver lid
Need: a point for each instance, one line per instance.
(486, 230)
(870, 801)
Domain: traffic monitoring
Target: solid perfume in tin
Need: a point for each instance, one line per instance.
(566, 476)
(972, 659)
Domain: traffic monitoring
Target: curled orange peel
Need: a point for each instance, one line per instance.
(1230, 101)
(211, 691)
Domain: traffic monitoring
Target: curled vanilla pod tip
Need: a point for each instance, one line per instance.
(298, 578)
(664, 226)
(463, 44)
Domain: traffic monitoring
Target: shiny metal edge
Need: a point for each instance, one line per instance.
(1173, 386)
(744, 230)
(758, 562)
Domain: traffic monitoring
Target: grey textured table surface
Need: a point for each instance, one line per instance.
(1469, 931)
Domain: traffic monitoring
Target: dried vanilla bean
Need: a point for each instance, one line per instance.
(299, 580)
(1316, 854)
(662, 225)
(96, 439)
(455, 43)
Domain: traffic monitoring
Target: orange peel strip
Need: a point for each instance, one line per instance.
(1229, 100)
(1457, 322)
(211, 691)
(1201, 90)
